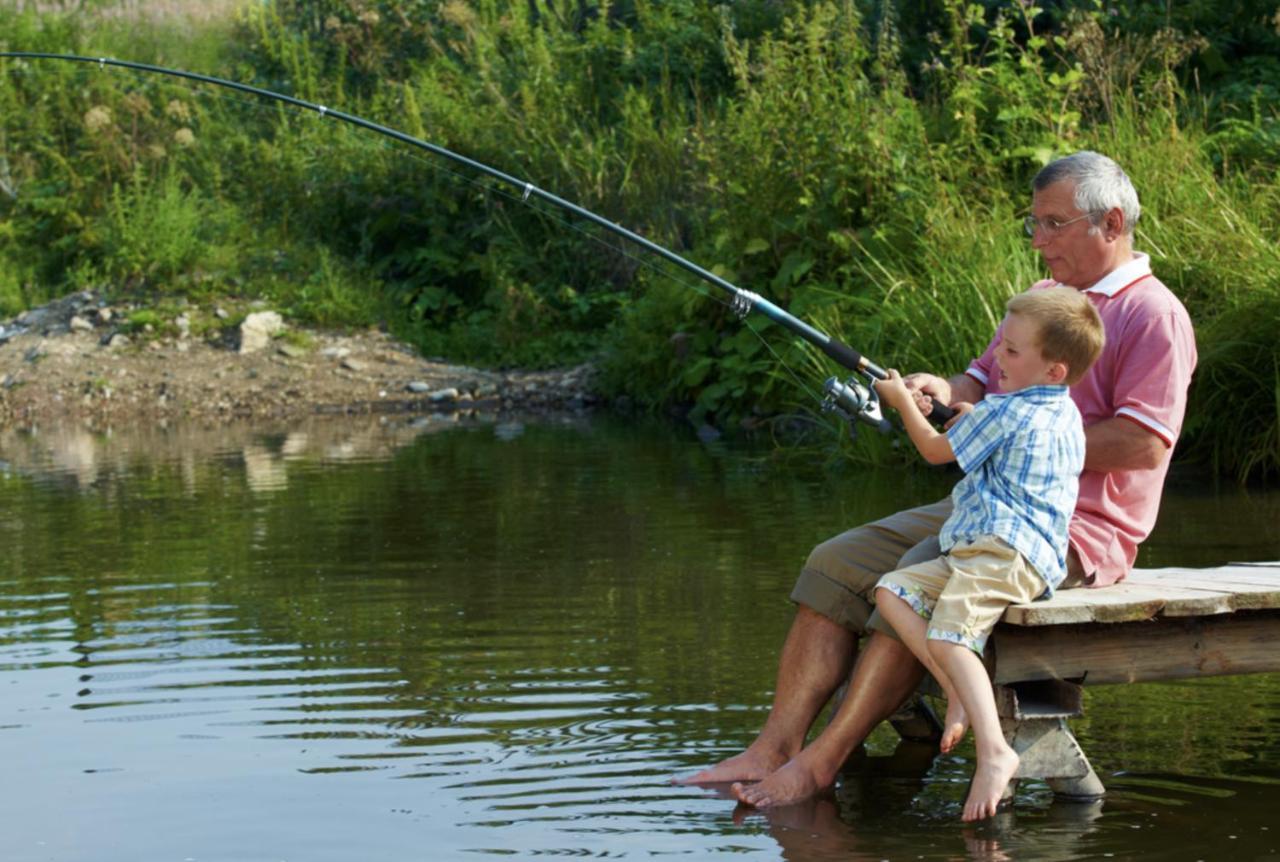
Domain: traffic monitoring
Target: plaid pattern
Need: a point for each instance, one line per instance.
(1022, 454)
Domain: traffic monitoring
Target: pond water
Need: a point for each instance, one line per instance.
(404, 640)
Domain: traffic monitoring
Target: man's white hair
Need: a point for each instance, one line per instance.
(1101, 185)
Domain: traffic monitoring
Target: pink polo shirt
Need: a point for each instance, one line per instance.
(1142, 376)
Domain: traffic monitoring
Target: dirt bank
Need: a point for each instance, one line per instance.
(82, 359)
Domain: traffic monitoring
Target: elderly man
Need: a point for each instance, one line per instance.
(1084, 209)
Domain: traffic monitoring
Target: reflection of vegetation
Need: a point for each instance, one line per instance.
(616, 568)
(459, 554)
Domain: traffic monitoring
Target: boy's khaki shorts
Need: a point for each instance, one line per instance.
(964, 594)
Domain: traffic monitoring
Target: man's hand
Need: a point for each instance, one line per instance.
(924, 388)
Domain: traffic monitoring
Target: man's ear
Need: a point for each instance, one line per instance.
(1113, 223)
(1057, 373)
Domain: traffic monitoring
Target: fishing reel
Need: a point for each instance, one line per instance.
(856, 402)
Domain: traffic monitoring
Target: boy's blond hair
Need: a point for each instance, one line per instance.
(1070, 328)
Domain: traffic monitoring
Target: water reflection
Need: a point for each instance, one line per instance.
(226, 644)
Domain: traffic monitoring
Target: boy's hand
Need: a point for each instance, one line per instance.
(893, 391)
(962, 408)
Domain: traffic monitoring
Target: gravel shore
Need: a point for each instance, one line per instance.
(82, 359)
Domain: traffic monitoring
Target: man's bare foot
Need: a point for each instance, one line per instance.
(989, 782)
(795, 782)
(954, 726)
(757, 762)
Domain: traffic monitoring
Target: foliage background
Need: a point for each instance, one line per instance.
(863, 164)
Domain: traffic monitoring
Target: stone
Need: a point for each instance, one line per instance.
(79, 324)
(258, 329)
(353, 364)
(449, 394)
(418, 387)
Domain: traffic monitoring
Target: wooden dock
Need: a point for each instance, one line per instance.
(1158, 624)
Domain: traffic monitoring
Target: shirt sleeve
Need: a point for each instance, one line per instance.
(1154, 366)
(977, 434)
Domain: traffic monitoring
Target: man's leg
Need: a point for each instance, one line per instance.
(832, 607)
(815, 659)
(885, 675)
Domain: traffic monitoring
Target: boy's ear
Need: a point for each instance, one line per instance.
(1057, 372)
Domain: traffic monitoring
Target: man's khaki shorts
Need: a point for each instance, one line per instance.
(964, 594)
(839, 578)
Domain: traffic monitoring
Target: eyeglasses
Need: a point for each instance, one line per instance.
(1050, 226)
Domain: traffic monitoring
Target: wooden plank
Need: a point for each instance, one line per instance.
(1148, 593)
(1261, 594)
(1233, 574)
(1124, 602)
(1159, 649)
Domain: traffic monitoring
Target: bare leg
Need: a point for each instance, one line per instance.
(885, 675)
(997, 762)
(912, 628)
(815, 658)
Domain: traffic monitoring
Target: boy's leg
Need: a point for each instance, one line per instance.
(997, 761)
(987, 576)
(905, 599)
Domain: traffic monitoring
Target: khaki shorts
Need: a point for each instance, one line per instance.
(964, 594)
(839, 578)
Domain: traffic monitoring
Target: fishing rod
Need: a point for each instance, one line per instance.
(852, 398)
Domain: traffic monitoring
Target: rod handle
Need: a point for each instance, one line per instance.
(940, 414)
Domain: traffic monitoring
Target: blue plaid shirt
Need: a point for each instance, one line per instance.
(1022, 454)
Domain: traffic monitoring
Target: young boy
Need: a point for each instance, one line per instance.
(1006, 540)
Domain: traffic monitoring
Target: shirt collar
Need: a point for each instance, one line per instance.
(1042, 394)
(1123, 276)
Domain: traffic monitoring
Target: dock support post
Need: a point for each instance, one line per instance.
(1034, 718)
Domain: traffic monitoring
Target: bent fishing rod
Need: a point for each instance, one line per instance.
(851, 398)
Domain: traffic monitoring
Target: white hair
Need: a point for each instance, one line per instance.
(1101, 185)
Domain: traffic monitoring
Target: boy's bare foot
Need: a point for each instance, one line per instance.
(989, 782)
(754, 764)
(954, 726)
(796, 781)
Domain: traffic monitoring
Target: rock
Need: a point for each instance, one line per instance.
(117, 340)
(335, 352)
(708, 433)
(449, 394)
(292, 351)
(419, 387)
(220, 313)
(104, 315)
(352, 364)
(79, 324)
(258, 329)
